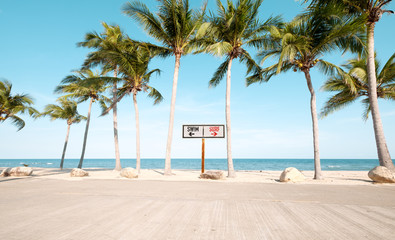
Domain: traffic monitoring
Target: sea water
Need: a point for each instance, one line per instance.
(195, 164)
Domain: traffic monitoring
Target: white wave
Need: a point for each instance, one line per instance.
(334, 166)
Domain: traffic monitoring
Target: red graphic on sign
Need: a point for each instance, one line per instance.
(214, 131)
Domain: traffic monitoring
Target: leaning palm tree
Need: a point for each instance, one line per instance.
(84, 85)
(132, 60)
(300, 44)
(13, 105)
(174, 27)
(107, 41)
(370, 11)
(67, 110)
(225, 34)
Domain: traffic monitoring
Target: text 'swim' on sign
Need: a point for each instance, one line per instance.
(203, 131)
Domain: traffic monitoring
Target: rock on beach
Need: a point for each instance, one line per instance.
(77, 172)
(5, 172)
(214, 175)
(381, 174)
(129, 173)
(292, 174)
(17, 172)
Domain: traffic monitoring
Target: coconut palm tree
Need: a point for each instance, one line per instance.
(84, 85)
(174, 27)
(300, 45)
(371, 12)
(107, 41)
(132, 60)
(13, 105)
(67, 110)
(226, 34)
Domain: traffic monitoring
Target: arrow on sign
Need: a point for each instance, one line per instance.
(191, 134)
(214, 134)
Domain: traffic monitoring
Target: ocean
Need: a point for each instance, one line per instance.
(212, 164)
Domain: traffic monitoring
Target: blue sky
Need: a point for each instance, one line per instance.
(270, 120)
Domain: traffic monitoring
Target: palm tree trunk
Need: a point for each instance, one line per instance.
(115, 120)
(231, 171)
(86, 134)
(317, 163)
(138, 160)
(382, 149)
(167, 171)
(65, 146)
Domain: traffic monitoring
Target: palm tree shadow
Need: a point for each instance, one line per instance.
(8, 179)
(358, 180)
(158, 171)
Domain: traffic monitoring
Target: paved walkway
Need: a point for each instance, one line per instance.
(42, 209)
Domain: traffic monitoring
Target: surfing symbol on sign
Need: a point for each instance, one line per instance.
(214, 130)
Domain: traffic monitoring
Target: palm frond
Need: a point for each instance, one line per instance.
(140, 12)
(219, 49)
(387, 73)
(155, 94)
(12, 105)
(219, 74)
(337, 102)
(367, 109)
(328, 68)
(267, 73)
(18, 122)
(253, 68)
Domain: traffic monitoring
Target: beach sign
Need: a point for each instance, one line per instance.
(203, 131)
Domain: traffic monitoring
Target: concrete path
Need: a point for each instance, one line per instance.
(42, 209)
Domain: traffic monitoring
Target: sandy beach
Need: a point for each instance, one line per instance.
(330, 177)
(52, 205)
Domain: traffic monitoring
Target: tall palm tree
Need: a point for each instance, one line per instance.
(132, 60)
(107, 41)
(67, 110)
(300, 44)
(174, 27)
(84, 85)
(226, 33)
(370, 11)
(13, 105)
(353, 84)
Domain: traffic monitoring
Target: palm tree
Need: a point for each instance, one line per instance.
(225, 35)
(13, 105)
(66, 111)
(353, 84)
(108, 40)
(370, 11)
(174, 27)
(132, 60)
(300, 44)
(84, 85)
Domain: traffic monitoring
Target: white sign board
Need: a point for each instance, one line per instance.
(203, 131)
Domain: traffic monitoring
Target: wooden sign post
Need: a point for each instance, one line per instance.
(202, 155)
(203, 131)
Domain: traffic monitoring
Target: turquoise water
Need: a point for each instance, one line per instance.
(195, 164)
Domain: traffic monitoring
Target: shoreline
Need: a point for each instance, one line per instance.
(242, 176)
